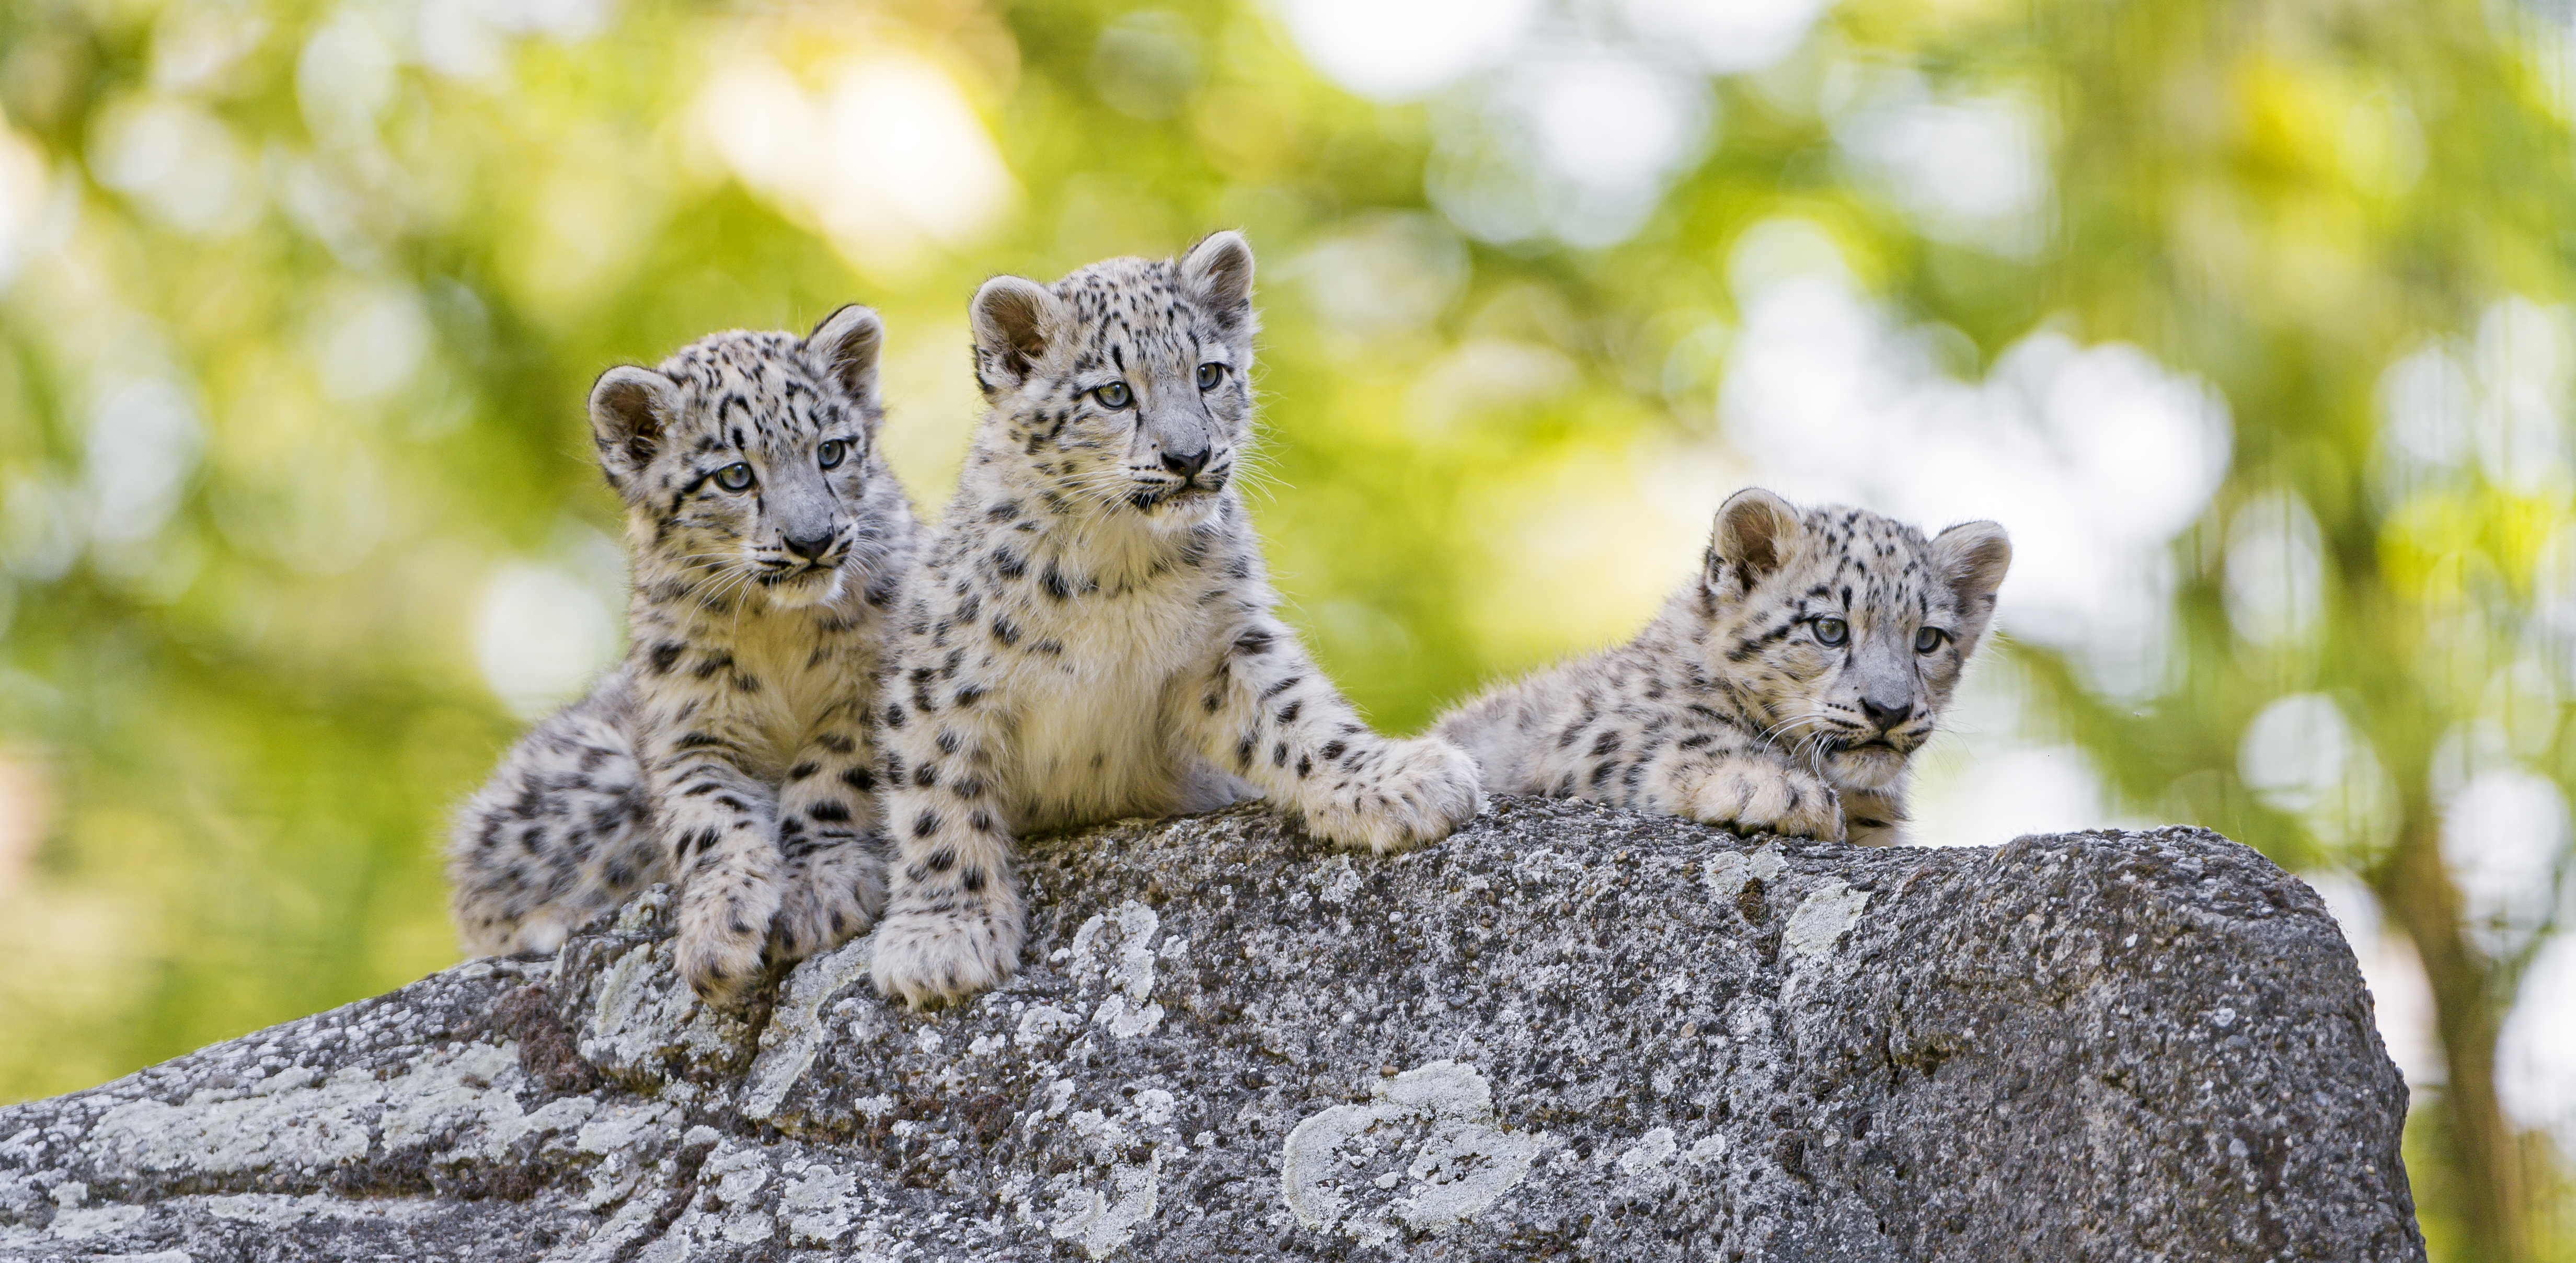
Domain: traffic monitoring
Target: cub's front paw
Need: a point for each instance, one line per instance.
(1418, 791)
(719, 951)
(827, 900)
(1765, 797)
(929, 958)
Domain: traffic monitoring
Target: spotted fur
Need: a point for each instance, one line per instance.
(730, 751)
(1781, 691)
(1092, 633)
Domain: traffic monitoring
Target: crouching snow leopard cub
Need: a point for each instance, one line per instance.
(730, 752)
(1091, 633)
(1780, 691)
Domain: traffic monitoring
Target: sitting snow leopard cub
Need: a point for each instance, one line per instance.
(730, 752)
(1780, 691)
(1091, 633)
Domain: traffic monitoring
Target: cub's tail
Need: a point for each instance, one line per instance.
(561, 834)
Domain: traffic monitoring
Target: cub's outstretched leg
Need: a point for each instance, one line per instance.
(1270, 715)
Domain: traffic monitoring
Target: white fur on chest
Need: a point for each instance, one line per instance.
(1095, 736)
(801, 673)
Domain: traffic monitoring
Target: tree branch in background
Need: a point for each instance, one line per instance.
(2467, 1016)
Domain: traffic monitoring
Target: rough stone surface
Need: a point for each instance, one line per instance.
(1567, 1032)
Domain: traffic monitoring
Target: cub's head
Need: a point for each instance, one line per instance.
(743, 459)
(1846, 631)
(1126, 386)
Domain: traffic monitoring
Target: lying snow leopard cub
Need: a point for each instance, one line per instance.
(1780, 691)
(730, 752)
(1091, 633)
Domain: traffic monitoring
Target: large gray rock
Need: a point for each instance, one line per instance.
(1567, 1032)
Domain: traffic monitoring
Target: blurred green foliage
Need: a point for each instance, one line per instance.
(301, 300)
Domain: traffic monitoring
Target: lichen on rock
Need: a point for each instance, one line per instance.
(1434, 1131)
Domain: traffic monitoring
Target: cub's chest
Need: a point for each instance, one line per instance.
(1104, 655)
(1093, 732)
(800, 679)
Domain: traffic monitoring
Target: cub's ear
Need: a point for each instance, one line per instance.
(1972, 557)
(845, 348)
(1218, 273)
(1015, 320)
(1755, 535)
(630, 410)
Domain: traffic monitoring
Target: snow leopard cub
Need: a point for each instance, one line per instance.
(1780, 691)
(1091, 634)
(729, 753)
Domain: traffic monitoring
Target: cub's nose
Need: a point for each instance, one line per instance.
(1885, 714)
(1186, 464)
(810, 547)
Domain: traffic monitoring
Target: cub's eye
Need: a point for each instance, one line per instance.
(1832, 632)
(1113, 396)
(734, 477)
(1930, 639)
(831, 453)
(1211, 375)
